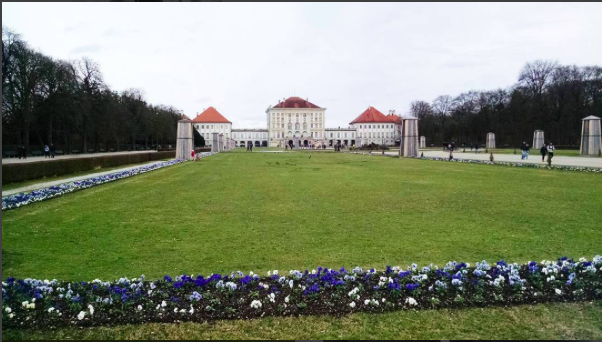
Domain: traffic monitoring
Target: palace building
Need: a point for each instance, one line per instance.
(296, 119)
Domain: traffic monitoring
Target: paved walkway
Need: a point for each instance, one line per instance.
(69, 156)
(515, 158)
(72, 179)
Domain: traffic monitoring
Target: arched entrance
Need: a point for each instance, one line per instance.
(242, 144)
(257, 144)
(305, 143)
(290, 143)
(264, 143)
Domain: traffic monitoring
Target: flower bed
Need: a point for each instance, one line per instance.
(34, 303)
(18, 200)
(475, 161)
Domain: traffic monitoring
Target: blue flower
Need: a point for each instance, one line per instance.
(412, 286)
(178, 284)
(167, 278)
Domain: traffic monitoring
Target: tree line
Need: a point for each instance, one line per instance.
(67, 103)
(548, 96)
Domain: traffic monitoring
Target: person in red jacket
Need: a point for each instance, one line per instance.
(192, 155)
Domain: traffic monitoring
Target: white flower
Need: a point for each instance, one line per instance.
(287, 299)
(25, 303)
(275, 272)
(175, 310)
(11, 315)
(367, 301)
(269, 273)
(158, 307)
(8, 310)
(81, 315)
(31, 306)
(272, 295)
(256, 304)
(139, 307)
(352, 305)
(191, 310)
(91, 308)
(163, 304)
(384, 300)
(50, 310)
(183, 311)
(33, 300)
(558, 292)
(411, 301)
(290, 283)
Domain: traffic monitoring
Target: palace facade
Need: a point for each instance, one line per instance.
(298, 119)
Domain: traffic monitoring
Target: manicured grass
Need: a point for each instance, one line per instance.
(16, 185)
(260, 211)
(552, 321)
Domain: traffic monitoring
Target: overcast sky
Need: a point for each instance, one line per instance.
(242, 58)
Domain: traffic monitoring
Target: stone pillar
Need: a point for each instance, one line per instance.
(185, 142)
(296, 142)
(591, 136)
(358, 142)
(423, 142)
(410, 137)
(215, 143)
(221, 143)
(490, 142)
(538, 140)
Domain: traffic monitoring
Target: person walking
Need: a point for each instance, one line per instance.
(527, 148)
(476, 148)
(192, 155)
(52, 150)
(46, 152)
(523, 148)
(550, 153)
(543, 150)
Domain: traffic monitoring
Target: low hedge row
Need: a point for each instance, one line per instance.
(26, 171)
(20, 172)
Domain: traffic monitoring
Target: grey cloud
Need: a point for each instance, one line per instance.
(92, 48)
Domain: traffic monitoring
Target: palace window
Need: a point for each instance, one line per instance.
(290, 125)
(297, 126)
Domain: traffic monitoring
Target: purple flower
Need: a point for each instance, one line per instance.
(167, 278)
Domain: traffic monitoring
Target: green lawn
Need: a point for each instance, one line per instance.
(260, 211)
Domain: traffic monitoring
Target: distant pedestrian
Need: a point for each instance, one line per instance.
(543, 150)
(550, 153)
(192, 155)
(522, 150)
(476, 148)
(453, 146)
(52, 150)
(527, 151)
(46, 151)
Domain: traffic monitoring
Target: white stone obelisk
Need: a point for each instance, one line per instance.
(423, 142)
(410, 136)
(215, 143)
(221, 143)
(538, 139)
(184, 143)
(490, 142)
(591, 136)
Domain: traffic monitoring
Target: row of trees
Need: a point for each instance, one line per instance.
(68, 104)
(547, 96)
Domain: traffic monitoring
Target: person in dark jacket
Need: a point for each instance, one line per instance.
(523, 148)
(527, 149)
(543, 150)
(52, 150)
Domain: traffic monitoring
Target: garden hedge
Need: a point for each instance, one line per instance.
(20, 172)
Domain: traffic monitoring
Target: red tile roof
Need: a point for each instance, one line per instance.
(394, 118)
(210, 115)
(373, 115)
(295, 102)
